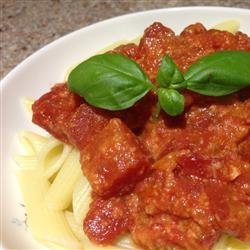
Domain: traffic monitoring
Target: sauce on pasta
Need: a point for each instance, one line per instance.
(171, 182)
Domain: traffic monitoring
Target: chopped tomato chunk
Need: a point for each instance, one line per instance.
(53, 110)
(106, 220)
(130, 50)
(85, 123)
(114, 160)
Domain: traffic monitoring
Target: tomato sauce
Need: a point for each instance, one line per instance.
(172, 182)
(193, 43)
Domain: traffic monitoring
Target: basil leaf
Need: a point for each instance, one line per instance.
(220, 73)
(212, 89)
(171, 101)
(109, 81)
(168, 73)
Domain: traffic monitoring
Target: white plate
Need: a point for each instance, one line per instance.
(37, 73)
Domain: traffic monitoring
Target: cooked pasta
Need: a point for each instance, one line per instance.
(81, 199)
(229, 25)
(59, 195)
(27, 103)
(47, 204)
(47, 226)
(32, 142)
(52, 156)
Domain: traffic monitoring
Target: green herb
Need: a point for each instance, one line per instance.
(171, 101)
(168, 73)
(114, 82)
(109, 81)
(219, 73)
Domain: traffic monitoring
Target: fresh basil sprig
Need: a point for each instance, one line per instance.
(114, 82)
(109, 81)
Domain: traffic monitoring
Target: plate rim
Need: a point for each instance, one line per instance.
(36, 53)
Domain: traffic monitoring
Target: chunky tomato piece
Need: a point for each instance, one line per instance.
(130, 50)
(85, 123)
(53, 110)
(106, 220)
(114, 160)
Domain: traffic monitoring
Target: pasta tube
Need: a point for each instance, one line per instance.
(48, 227)
(227, 242)
(126, 242)
(81, 199)
(27, 103)
(26, 162)
(32, 142)
(59, 195)
(76, 228)
(52, 156)
(229, 25)
(233, 243)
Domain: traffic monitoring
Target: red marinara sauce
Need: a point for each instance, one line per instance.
(172, 182)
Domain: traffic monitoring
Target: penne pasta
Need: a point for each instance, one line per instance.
(229, 25)
(227, 242)
(32, 142)
(233, 243)
(77, 228)
(45, 225)
(27, 103)
(81, 199)
(52, 245)
(59, 195)
(52, 156)
(26, 162)
(126, 242)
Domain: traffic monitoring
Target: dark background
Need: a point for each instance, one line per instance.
(27, 25)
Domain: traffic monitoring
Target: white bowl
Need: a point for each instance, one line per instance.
(35, 75)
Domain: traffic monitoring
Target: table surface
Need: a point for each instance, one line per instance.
(27, 25)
